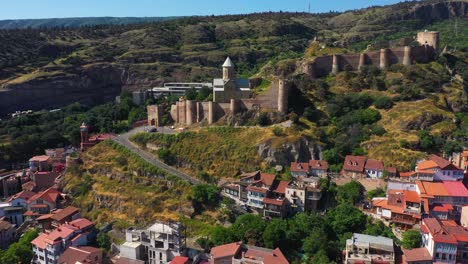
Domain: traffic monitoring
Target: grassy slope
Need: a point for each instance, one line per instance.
(107, 187)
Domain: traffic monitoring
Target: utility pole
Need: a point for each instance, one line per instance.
(309, 7)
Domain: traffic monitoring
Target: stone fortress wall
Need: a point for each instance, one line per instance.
(324, 65)
(188, 112)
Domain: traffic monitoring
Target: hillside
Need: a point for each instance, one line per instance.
(98, 61)
(75, 22)
(114, 184)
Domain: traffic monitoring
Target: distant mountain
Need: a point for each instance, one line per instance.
(76, 22)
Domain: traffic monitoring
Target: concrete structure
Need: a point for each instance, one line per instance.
(48, 247)
(384, 59)
(160, 243)
(369, 249)
(283, 96)
(429, 38)
(304, 194)
(407, 56)
(178, 88)
(239, 253)
(336, 64)
(154, 115)
(401, 207)
(464, 216)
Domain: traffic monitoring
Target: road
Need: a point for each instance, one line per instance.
(124, 141)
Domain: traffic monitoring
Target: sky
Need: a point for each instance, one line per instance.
(25, 9)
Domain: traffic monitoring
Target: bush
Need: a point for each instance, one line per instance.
(165, 155)
(206, 194)
(411, 239)
(383, 103)
(278, 131)
(263, 120)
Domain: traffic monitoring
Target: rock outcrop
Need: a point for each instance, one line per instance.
(302, 150)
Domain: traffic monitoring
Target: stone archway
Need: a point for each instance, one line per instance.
(153, 122)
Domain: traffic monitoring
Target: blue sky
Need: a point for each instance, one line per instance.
(17, 9)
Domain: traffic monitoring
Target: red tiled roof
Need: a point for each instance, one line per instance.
(438, 232)
(39, 241)
(443, 208)
(67, 212)
(411, 196)
(299, 167)
(78, 255)
(102, 137)
(373, 164)
(417, 254)
(39, 206)
(441, 162)
(25, 195)
(354, 163)
(226, 250)
(179, 260)
(59, 233)
(428, 164)
(267, 179)
(81, 223)
(5, 225)
(318, 164)
(391, 169)
(50, 195)
(432, 188)
(273, 201)
(456, 188)
(281, 187)
(40, 158)
(407, 174)
(276, 258)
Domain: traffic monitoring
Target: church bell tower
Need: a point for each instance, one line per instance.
(228, 70)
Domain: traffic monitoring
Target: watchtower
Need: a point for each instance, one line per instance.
(84, 130)
(430, 38)
(228, 70)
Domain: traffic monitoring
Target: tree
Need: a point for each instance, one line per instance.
(317, 240)
(275, 233)
(103, 241)
(346, 217)
(165, 155)
(205, 194)
(21, 251)
(263, 120)
(321, 258)
(411, 239)
(136, 114)
(191, 94)
(249, 228)
(383, 103)
(220, 235)
(351, 192)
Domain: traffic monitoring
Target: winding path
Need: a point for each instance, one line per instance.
(123, 140)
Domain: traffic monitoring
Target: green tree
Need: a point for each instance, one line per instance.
(344, 218)
(21, 251)
(136, 114)
(191, 94)
(383, 103)
(103, 241)
(351, 192)
(318, 239)
(249, 228)
(206, 194)
(321, 258)
(275, 233)
(220, 235)
(263, 120)
(411, 239)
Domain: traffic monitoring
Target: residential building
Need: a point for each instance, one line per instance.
(460, 160)
(258, 188)
(318, 168)
(445, 241)
(417, 256)
(300, 169)
(21, 198)
(464, 216)
(442, 169)
(81, 255)
(369, 249)
(353, 167)
(87, 141)
(44, 179)
(374, 168)
(68, 214)
(43, 202)
(40, 163)
(14, 214)
(160, 243)
(304, 194)
(400, 207)
(178, 89)
(239, 253)
(7, 233)
(180, 260)
(48, 247)
(412, 176)
(432, 194)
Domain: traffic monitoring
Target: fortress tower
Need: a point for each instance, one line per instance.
(84, 131)
(228, 70)
(430, 38)
(283, 92)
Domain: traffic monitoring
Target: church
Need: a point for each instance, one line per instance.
(230, 87)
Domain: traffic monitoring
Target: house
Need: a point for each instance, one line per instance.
(400, 207)
(318, 168)
(434, 194)
(7, 234)
(276, 204)
(442, 169)
(353, 167)
(68, 214)
(44, 179)
(43, 202)
(257, 190)
(299, 169)
(78, 255)
(417, 256)
(369, 249)
(21, 198)
(14, 214)
(180, 260)
(160, 243)
(460, 160)
(412, 176)
(48, 247)
(445, 240)
(40, 163)
(374, 168)
(304, 194)
(239, 253)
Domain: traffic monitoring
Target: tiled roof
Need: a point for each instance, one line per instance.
(456, 188)
(318, 164)
(441, 162)
(273, 201)
(411, 196)
(407, 174)
(443, 208)
(299, 167)
(438, 232)
(276, 258)
(281, 187)
(354, 163)
(25, 195)
(391, 169)
(59, 233)
(4, 225)
(226, 250)
(428, 164)
(249, 174)
(432, 188)
(417, 254)
(40, 241)
(373, 164)
(50, 195)
(180, 260)
(267, 179)
(78, 255)
(67, 212)
(256, 189)
(81, 223)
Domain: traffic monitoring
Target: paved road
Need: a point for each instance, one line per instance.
(123, 140)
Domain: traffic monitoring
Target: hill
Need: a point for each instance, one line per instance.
(75, 22)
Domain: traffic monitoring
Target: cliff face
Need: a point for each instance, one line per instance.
(439, 11)
(300, 150)
(89, 85)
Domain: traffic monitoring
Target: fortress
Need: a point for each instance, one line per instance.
(232, 95)
(324, 65)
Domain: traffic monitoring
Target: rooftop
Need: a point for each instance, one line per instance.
(417, 254)
(318, 164)
(226, 250)
(373, 164)
(40, 158)
(228, 63)
(67, 212)
(299, 167)
(372, 240)
(354, 163)
(78, 255)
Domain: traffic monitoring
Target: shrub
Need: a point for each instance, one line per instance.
(278, 131)
(411, 239)
(383, 103)
(263, 120)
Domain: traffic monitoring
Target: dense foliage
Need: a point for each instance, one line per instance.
(21, 251)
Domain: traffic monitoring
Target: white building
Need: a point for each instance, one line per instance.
(178, 89)
(158, 244)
